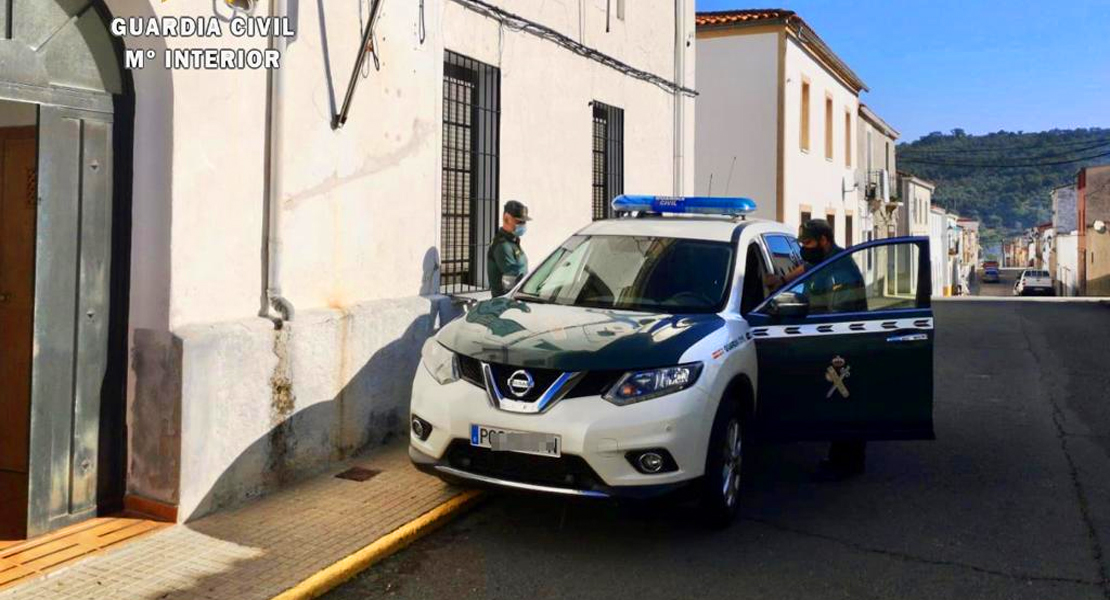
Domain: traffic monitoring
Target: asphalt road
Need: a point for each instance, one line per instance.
(1004, 287)
(1011, 501)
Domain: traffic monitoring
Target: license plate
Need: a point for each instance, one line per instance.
(505, 440)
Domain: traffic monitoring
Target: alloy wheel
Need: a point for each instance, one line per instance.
(732, 463)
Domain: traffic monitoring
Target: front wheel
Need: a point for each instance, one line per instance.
(720, 495)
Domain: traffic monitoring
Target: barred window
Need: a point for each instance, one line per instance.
(608, 158)
(471, 169)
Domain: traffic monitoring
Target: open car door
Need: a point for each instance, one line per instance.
(846, 350)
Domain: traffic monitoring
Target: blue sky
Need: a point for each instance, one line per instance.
(983, 65)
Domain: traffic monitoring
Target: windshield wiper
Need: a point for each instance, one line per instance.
(531, 298)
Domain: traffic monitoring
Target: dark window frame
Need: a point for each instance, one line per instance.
(607, 134)
(470, 172)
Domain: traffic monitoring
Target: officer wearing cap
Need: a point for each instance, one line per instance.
(506, 261)
(816, 239)
(840, 288)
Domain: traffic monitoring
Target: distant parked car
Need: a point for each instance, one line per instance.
(990, 275)
(1033, 282)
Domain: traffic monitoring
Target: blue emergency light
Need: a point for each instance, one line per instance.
(702, 205)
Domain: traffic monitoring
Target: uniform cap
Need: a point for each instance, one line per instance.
(814, 229)
(517, 210)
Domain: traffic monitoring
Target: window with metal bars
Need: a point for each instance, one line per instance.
(471, 171)
(608, 155)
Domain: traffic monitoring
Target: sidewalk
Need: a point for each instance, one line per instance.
(270, 546)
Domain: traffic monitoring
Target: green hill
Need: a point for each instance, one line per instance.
(1004, 179)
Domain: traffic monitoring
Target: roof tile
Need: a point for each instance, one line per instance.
(727, 17)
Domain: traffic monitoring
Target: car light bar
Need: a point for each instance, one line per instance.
(703, 205)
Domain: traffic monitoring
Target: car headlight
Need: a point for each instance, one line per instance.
(440, 362)
(637, 386)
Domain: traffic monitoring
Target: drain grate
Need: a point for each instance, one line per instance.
(358, 474)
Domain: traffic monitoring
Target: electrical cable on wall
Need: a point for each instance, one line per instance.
(983, 149)
(981, 165)
(1004, 155)
(520, 24)
(422, 29)
(372, 46)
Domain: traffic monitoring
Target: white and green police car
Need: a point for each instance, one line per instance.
(645, 354)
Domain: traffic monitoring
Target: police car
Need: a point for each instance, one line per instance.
(645, 355)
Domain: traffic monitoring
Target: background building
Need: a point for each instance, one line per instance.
(777, 119)
(880, 192)
(256, 283)
(915, 196)
(1093, 224)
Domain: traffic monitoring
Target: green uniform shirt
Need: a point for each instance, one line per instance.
(506, 262)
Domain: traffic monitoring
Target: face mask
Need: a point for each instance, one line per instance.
(812, 255)
(520, 230)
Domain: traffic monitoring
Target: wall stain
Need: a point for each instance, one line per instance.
(282, 405)
(340, 446)
(420, 131)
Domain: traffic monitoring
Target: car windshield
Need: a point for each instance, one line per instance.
(637, 273)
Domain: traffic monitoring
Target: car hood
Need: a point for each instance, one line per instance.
(572, 338)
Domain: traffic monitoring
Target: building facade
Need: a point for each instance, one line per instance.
(1093, 225)
(880, 192)
(938, 252)
(915, 197)
(778, 114)
(970, 256)
(274, 270)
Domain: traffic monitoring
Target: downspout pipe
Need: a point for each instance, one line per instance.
(679, 101)
(277, 307)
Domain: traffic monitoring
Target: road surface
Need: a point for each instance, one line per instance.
(1011, 501)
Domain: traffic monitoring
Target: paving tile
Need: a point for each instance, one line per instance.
(252, 552)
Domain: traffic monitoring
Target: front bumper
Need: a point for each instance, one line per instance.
(595, 437)
(579, 489)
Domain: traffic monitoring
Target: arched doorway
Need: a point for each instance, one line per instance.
(61, 91)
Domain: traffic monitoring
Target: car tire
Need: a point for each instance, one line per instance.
(720, 493)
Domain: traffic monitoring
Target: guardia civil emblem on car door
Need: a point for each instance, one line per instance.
(835, 374)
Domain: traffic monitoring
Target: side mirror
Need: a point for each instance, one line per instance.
(789, 304)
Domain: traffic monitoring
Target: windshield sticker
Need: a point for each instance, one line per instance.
(835, 374)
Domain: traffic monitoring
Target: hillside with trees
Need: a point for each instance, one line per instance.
(1003, 179)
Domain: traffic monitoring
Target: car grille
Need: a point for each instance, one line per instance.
(543, 379)
(567, 471)
(471, 370)
(594, 383)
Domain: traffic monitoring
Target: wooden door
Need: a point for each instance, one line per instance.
(72, 258)
(18, 202)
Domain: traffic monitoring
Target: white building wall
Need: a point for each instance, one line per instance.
(875, 150)
(812, 180)
(1067, 263)
(938, 252)
(913, 215)
(737, 126)
(240, 407)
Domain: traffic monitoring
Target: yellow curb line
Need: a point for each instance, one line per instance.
(331, 577)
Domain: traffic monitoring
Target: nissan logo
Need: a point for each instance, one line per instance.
(520, 383)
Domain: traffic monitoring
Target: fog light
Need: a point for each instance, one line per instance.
(651, 462)
(421, 428)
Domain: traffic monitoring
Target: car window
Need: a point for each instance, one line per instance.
(754, 291)
(876, 278)
(634, 273)
(785, 252)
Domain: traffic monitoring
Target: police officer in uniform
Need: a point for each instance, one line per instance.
(506, 262)
(841, 289)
